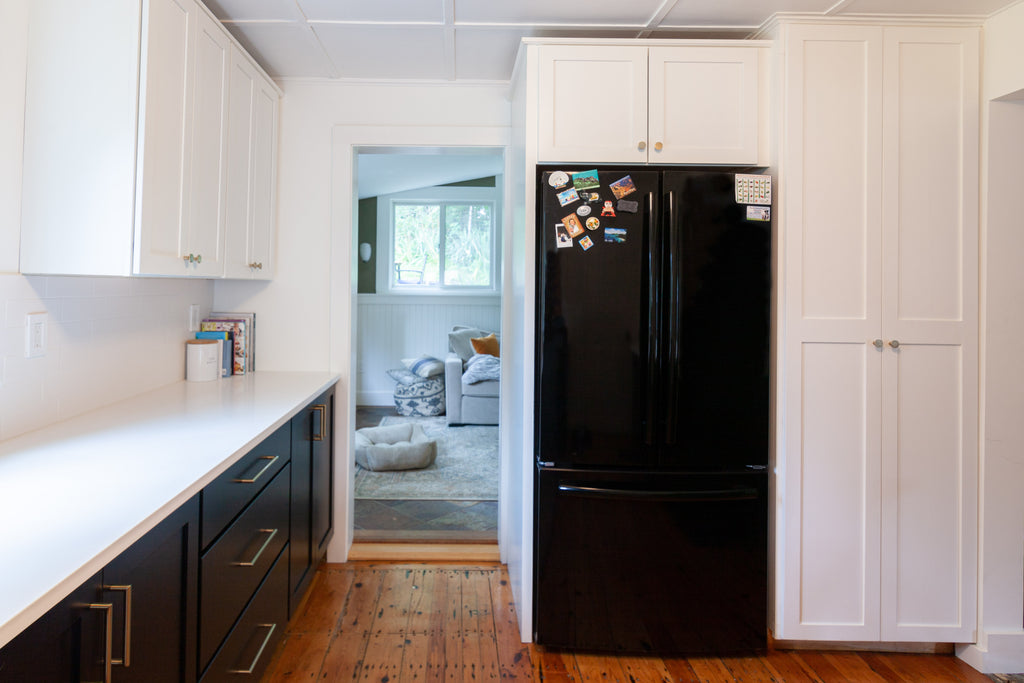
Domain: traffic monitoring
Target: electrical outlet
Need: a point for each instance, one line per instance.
(193, 318)
(35, 335)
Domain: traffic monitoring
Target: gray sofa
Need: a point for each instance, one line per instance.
(467, 403)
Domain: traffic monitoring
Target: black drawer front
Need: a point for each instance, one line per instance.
(231, 492)
(251, 643)
(235, 565)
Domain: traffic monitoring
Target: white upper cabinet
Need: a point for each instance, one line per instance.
(878, 334)
(687, 104)
(252, 163)
(126, 142)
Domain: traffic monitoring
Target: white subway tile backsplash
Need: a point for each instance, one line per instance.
(108, 339)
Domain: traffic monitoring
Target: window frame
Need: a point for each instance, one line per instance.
(385, 279)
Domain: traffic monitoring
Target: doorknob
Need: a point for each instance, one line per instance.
(895, 343)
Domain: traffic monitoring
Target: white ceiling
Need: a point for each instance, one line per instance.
(476, 40)
(385, 171)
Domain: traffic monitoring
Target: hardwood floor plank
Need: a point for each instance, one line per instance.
(417, 663)
(393, 605)
(549, 666)
(645, 669)
(344, 660)
(824, 668)
(711, 670)
(476, 602)
(299, 657)
(787, 667)
(321, 610)
(854, 668)
(750, 669)
(876, 662)
(453, 647)
(361, 609)
(513, 654)
(479, 657)
(383, 659)
(601, 668)
(923, 668)
(681, 670)
(965, 671)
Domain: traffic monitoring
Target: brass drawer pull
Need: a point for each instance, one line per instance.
(249, 563)
(126, 660)
(259, 653)
(271, 459)
(321, 411)
(108, 637)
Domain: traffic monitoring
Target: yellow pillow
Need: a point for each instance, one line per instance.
(488, 344)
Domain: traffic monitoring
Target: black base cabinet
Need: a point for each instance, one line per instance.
(148, 594)
(206, 594)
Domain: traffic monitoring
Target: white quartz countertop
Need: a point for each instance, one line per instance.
(77, 493)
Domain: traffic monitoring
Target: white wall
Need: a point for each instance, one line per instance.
(1000, 646)
(306, 313)
(108, 338)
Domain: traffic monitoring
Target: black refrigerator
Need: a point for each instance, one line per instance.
(651, 424)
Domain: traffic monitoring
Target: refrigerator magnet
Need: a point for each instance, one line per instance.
(591, 196)
(585, 180)
(586, 242)
(558, 179)
(583, 210)
(562, 239)
(759, 213)
(572, 225)
(615, 235)
(608, 209)
(622, 187)
(593, 223)
(628, 206)
(568, 197)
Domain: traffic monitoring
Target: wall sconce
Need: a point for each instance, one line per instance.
(364, 252)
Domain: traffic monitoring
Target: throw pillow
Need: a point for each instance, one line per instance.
(424, 366)
(486, 345)
(458, 341)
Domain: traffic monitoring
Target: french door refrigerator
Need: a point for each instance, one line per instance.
(651, 403)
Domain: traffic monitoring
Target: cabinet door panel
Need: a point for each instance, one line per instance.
(241, 99)
(264, 179)
(832, 486)
(209, 144)
(593, 104)
(703, 105)
(161, 220)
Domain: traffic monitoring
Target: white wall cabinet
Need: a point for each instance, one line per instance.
(252, 171)
(126, 139)
(663, 104)
(878, 366)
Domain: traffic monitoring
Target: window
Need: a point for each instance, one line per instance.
(439, 240)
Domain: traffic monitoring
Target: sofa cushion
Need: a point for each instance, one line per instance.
(489, 388)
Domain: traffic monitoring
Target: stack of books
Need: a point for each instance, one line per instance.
(237, 332)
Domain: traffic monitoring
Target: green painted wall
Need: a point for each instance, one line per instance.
(368, 233)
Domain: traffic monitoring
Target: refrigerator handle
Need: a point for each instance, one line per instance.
(683, 496)
(653, 316)
(673, 320)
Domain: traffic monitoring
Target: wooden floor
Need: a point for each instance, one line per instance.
(390, 623)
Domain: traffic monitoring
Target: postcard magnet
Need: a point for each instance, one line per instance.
(568, 197)
(583, 210)
(615, 235)
(562, 239)
(593, 223)
(572, 225)
(591, 196)
(622, 187)
(628, 206)
(558, 179)
(608, 209)
(585, 180)
(759, 213)
(586, 242)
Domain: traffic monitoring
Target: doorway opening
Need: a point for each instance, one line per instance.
(429, 266)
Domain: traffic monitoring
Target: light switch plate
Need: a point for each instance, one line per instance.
(193, 318)
(35, 335)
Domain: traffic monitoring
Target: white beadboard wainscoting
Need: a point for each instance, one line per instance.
(392, 327)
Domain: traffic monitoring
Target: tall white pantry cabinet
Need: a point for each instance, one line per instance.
(877, 358)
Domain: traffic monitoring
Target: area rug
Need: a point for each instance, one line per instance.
(466, 467)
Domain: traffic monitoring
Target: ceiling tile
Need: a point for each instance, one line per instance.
(736, 12)
(384, 52)
(486, 54)
(375, 10)
(284, 49)
(255, 10)
(968, 7)
(570, 12)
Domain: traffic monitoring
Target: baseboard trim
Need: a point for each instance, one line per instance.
(855, 646)
(420, 552)
(375, 398)
(1003, 653)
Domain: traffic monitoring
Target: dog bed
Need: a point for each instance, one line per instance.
(394, 447)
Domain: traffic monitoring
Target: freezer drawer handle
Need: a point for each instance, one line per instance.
(723, 495)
